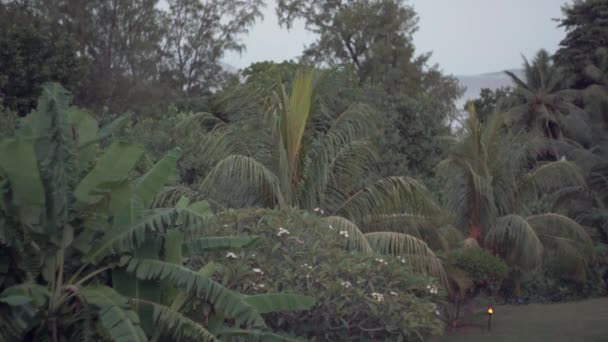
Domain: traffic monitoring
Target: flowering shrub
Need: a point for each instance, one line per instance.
(358, 297)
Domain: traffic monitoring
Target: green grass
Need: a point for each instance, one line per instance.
(577, 321)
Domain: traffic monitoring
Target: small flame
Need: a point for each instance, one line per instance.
(490, 310)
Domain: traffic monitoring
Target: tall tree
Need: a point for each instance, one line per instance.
(198, 35)
(30, 55)
(586, 24)
(542, 100)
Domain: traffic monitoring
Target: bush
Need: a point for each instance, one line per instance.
(484, 268)
(358, 297)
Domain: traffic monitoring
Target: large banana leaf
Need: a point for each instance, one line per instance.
(111, 169)
(150, 184)
(115, 314)
(223, 300)
(18, 163)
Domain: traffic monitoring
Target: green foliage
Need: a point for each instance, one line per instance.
(586, 29)
(64, 229)
(311, 259)
(483, 267)
(32, 54)
(488, 102)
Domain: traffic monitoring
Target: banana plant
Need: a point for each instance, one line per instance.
(69, 220)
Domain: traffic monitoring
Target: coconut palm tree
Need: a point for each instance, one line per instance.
(301, 156)
(492, 176)
(542, 99)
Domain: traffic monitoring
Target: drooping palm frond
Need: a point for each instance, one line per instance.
(555, 226)
(516, 241)
(223, 300)
(552, 176)
(414, 251)
(243, 175)
(388, 196)
(356, 239)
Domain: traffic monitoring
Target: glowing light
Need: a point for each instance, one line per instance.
(490, 310)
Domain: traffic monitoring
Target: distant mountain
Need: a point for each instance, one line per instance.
(492, 80)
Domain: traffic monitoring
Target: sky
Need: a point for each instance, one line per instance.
(466, 37)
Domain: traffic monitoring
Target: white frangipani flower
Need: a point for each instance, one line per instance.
(282, 231)
(231, 255)
(344, 233)
(346, 284)
(378, 296)
(257, 270)
(393, 293)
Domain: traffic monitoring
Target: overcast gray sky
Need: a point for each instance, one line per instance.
(466, 36)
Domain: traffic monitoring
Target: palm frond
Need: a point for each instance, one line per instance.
(244, 175)
(416, 252)
(356, 239)
(555, 175)
(389, 196)
(516, 241)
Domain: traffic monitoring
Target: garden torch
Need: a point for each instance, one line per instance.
(490, 313)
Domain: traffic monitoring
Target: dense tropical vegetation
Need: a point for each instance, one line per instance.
(148, 194)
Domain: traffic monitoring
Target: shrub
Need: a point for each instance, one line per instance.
(358, 297)
(484, 268)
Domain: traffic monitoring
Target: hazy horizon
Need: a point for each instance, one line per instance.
(491, 43)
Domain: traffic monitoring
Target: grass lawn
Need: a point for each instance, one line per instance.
(577, 321)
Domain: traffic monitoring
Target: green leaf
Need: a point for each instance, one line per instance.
(150, 184)
(111, 169)
(115, 314)
(222, 299)
(208, 244)
(276, 302)
(15, 300)
(179, 326)
(18, 162)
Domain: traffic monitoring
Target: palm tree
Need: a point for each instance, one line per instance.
(490, 185)
(542, 100)
(301, 156)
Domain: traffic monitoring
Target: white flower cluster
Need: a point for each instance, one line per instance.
(319, 211)
(378, 296)
(258, 271)
(282, 231)
(307, 266)
(344, 233)
(381, 261)
(393, 293)
(401, 259)
(259, 286)
(432, 289)
(346, 284)
(231, 255)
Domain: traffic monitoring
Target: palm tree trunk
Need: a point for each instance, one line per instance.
(475, 225)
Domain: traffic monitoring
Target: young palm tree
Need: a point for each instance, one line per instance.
(301, 156)
(542, 100)
(489, 184)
